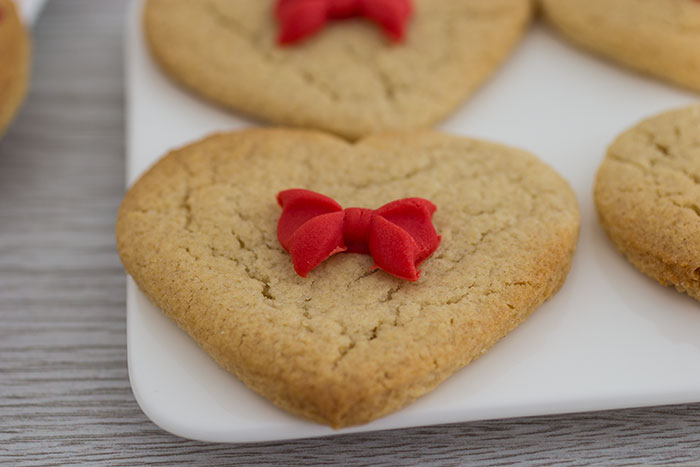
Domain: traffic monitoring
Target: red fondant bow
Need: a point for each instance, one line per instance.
(302, 18)
(398, 235)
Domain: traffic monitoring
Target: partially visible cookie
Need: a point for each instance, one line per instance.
(345, 345)
(647, 193)
(659, 37)
(14, 62)
(348, 79)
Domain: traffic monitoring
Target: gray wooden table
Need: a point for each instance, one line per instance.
(64, 390)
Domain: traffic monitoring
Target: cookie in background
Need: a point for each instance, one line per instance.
(658, 37)
(647, 193)
(14, 62)
(351, 72)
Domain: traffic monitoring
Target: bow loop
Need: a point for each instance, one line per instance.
(300, 19)
(394, 250)
(399, 235)
(413, 215)
(316, 240)
(391, 15)
(298, 207)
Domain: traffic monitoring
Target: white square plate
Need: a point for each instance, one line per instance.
(611, 338)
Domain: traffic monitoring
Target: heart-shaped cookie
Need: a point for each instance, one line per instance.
(660, 37)
(349, 78)
(14, 62)
(345, 345)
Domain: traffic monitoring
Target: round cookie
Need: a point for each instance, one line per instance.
(346, 345)
(659, 37)
(14, 60)
(348, 79)
(647, 192)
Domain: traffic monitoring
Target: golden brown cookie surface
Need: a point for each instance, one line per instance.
(14, 62)
(648, 197)
(346, 345)
(659, 37)
(348, 79)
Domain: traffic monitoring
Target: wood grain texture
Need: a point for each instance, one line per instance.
(64, 390)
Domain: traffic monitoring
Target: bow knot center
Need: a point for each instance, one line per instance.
(300, 19)
(340, 9)
(356, 229)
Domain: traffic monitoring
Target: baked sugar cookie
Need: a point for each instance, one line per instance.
(14, 62)
(350, 78)
(347, 343)
(648, 196)
(659, 37)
